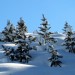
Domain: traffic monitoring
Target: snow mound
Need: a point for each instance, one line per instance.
(15, 65)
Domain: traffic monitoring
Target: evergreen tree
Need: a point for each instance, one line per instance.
(9, 32)
(20, 53)
(21, 29)
(69, 40)
(44, 31)
(67, 28)
(55, 57)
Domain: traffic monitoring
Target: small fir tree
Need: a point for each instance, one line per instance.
(69, 40)
(55, 57)
(9, 32)
(23, 52)
(21, 29)
(67, 28)
(20, 53)
(44, 31)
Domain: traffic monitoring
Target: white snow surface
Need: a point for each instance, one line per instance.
(39, 65)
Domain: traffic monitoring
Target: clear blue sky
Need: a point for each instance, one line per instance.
(57, 13)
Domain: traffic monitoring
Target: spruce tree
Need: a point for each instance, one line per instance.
(55, 57)
(9, 32)
(22, 52)
(67, 28)
(69, 40)
(21, 29)
(44, 31)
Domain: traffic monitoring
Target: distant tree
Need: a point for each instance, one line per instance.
(9, 32)
(44, 31)
(67, 28)
(70, 39)
(21, 29)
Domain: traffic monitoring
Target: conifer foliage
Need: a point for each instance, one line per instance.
(55, 58)
(21, 53)
(70, 39)
(44, 31)
(9, 32)
(21, 29)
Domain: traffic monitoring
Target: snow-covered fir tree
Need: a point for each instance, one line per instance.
(70, 39)
(55, 58)
(21, 29)
(46, 35)
(19, 53)
(44, 31)
(22, 52)
(67, 28)
(9, 32)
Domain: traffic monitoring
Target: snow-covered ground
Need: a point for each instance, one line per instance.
(39, 65)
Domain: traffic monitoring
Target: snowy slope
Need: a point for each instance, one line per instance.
(39, 65)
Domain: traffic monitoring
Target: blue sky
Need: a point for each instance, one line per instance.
(57, 13)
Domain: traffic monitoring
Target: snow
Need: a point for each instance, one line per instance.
(9, 68)
(2, 36)
(12, 45)
(39, 65)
